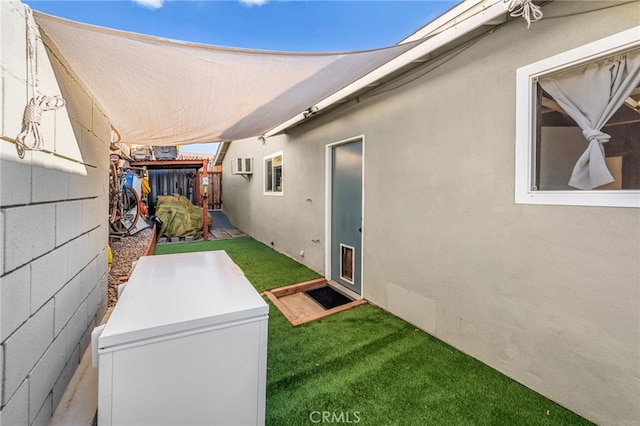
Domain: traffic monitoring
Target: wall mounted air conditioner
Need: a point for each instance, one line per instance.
(242, 166)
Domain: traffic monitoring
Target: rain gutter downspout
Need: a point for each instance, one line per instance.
(486, 14)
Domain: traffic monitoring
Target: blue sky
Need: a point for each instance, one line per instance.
(300, 26)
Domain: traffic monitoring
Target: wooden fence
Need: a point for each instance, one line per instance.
(215, 190)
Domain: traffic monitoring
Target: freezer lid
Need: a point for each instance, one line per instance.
(174, 293)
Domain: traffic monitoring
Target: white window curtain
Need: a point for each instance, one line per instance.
(591, 95)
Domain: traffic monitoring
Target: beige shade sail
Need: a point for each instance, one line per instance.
(164, 92)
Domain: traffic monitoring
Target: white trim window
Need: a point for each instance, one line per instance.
(273, 174)
(578, 126)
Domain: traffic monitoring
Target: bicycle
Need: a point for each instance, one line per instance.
(124, 202)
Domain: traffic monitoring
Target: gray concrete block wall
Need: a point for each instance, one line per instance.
(53, 231)
(16, 411)
(25, 232)
(25, 347)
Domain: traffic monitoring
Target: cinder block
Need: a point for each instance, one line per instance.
(47, 81)
(79, 255)
(66, 301)
(94, 151)
(98, 239)
(43, 416)
(25, 347)
(103, 263)
(1, 122)
(86, 337)
(101, 126)
(94, 213)
(16, 412)
(46, 84)
(2, 245)
(92, 183)
(14, 38)
(15, 300)
(102, 309)
(53, 164)
(76, 326)
(92, 299)
(48, 129)
(55, 123)
(104, 300)
(73, 359)
(103, 184)
(97, 300)
(88, 278)
(30, 232)
(64, 379)
(45, 374)
(68, 221)
(50, 182)
(1, 374)
(90, 218)
(102, 212)
(14, 93)
(79, 105)
(95, 240)
(15, 176)
(68, 136)
(48, 275)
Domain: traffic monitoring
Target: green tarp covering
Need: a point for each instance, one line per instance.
(179, 217)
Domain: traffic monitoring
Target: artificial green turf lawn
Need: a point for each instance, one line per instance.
(369, 367)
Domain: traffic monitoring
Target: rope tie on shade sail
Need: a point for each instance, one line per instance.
(525, 8)
(38, 103)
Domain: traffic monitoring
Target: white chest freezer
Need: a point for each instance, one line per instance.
(186, 344)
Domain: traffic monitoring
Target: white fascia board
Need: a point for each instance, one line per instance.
(221, 152)
(458, 13)
(478, 14)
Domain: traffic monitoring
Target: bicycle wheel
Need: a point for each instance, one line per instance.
(114, 214)
(114, 200)
(129, 207)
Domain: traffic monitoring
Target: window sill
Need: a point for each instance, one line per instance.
(618, 198)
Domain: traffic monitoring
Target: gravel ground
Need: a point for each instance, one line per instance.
(126, 251)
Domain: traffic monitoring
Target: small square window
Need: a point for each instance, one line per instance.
(273, 174)
(578, 126)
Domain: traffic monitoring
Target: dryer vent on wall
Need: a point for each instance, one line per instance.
(242, 166)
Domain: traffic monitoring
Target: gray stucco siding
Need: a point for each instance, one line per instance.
(548, 295)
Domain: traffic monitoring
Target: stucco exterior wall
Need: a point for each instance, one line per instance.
(53, 233)
(292, 222)
(548, 295)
